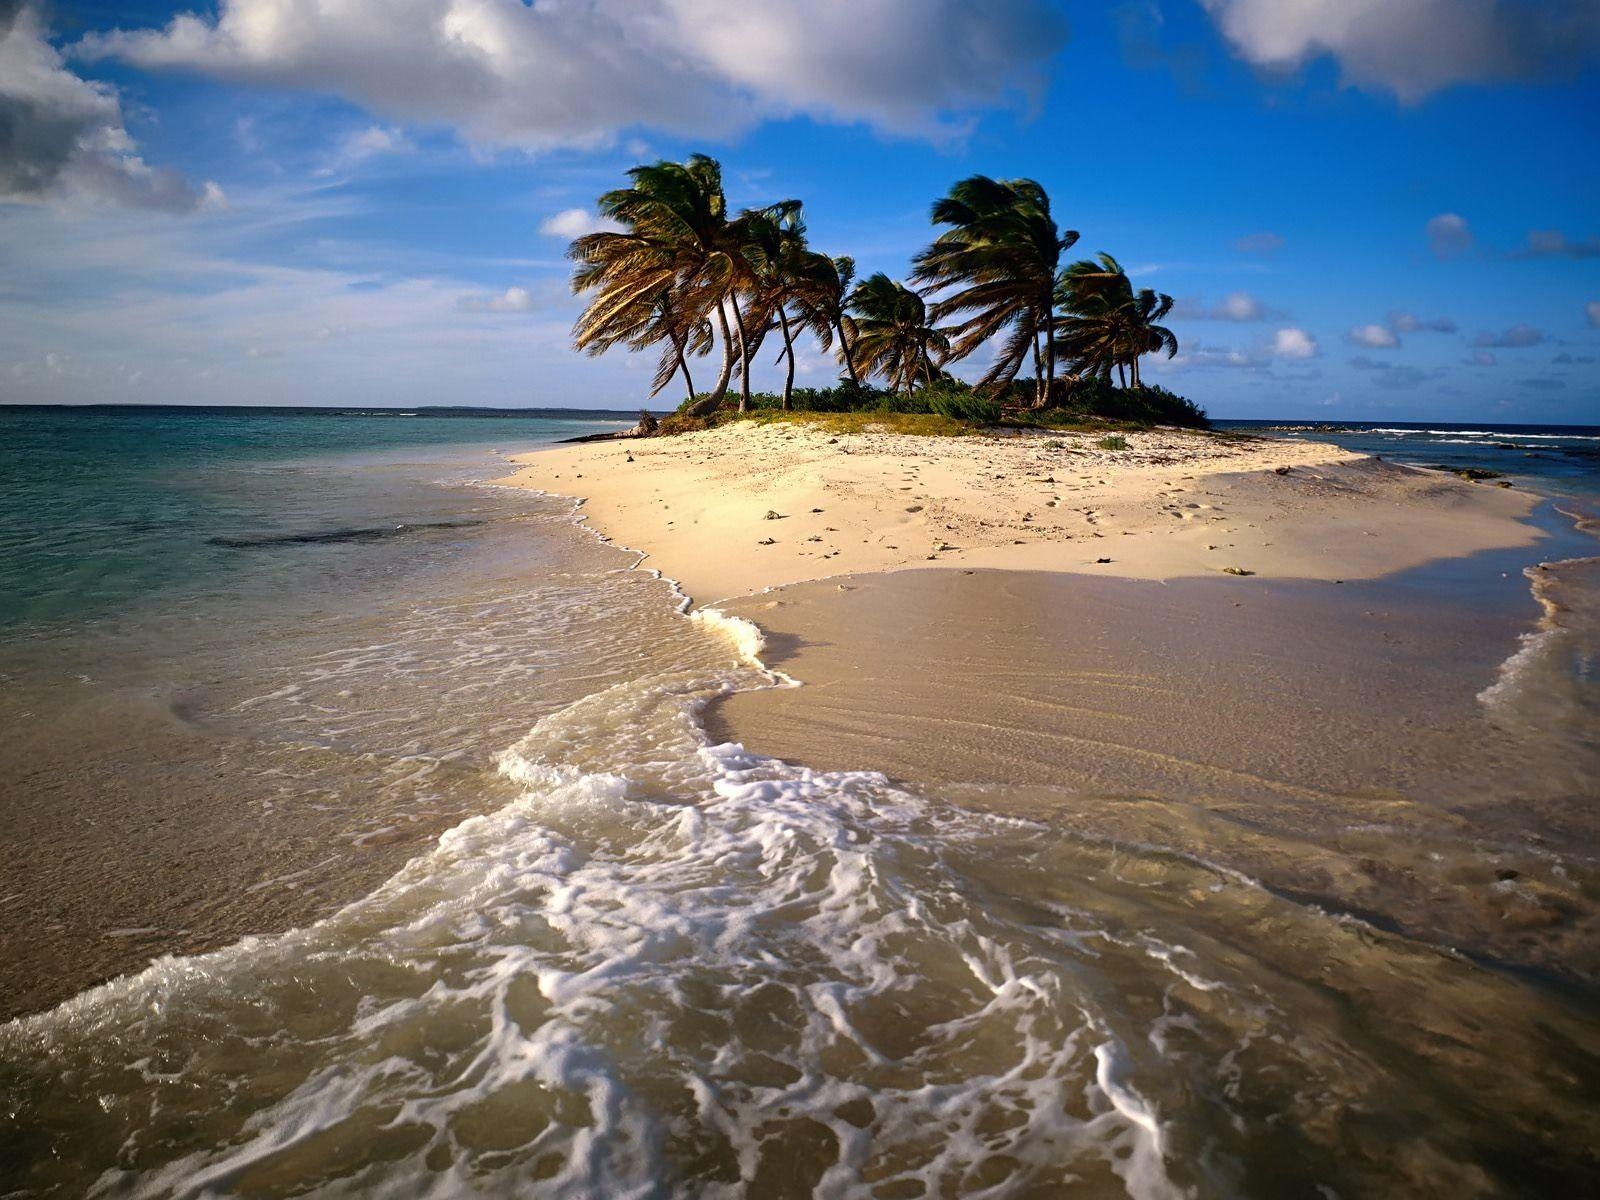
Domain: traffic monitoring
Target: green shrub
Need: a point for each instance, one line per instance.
(1115, 442)
(1100, 399)
(962, 405)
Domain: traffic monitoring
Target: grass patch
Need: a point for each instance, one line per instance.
(1115, 442)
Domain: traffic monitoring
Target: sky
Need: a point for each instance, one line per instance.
(1363, 209)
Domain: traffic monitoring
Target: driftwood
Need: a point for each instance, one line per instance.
(647, 427)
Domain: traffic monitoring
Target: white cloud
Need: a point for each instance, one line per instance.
(1375, 337)
(1235, 306)
(62, 137)
(512, 300)
(1294, 343)
(506, 73)
(1239, 306)
(1449, 235)
(372, 141)
(1413, 47)
(572, 223)
(1480, 358)
(1592, 310)
(182, 303)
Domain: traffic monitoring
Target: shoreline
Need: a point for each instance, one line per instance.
(743, 509)
(1261, 722)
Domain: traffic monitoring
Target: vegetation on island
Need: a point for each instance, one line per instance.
(677, 273)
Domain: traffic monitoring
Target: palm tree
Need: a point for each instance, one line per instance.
(1147, 336)
(650, 322)
(825, 285)
(775, 248)
(1001, 255)
(893, 334)
(1107, 324)
(676, 240)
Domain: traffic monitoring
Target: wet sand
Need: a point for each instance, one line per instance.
(1326, 740)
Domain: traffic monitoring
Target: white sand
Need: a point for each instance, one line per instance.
(1173, 504)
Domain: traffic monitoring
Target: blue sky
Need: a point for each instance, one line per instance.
(1366, 209)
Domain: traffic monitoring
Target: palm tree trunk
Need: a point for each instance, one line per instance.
(714, 401)
(1038, 374)
(1135, 367)
(1122, 375)
(744, 357)
(788, 350)
(1049, 349)
(849, 354)
(683, 365)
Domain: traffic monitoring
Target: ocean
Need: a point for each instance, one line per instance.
(362, 836)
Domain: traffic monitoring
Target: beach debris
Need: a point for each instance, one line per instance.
(914, 508)
(1102, 560)
(630, 458)
(1236, 571)
(767, 542)
(1505, 483)
(816, 510)
(1281, 470)
(772, 516)
(1474, 473)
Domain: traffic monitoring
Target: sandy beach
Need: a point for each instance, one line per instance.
(1172, 504)
(1041, 625)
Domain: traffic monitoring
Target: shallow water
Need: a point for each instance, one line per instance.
(636, 963)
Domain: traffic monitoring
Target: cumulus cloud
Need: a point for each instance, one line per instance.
(1235, 306)
(1516, 338)
(1404, 322)
(62, 136)
(374, 140)
(1294, 344)
(572, 223)
(1239, 306)
(506, 73)
(1264, 244)
(1552, 243)
(1592, 311)
(1198, 356)
(1480, 358)
(512, 300)
(1375, 337)
(1449, 235)
(1413, 47)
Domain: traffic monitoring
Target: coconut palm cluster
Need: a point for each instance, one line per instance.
(677, 273)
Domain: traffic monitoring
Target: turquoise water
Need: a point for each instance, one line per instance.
(103, 508)
(1561, 460)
